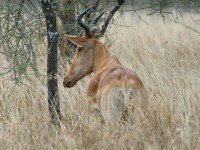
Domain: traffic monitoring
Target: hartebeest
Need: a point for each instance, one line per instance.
(112, 84)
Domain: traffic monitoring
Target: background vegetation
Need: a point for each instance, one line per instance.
(160, 45)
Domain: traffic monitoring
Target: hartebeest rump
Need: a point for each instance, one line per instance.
(112, 84)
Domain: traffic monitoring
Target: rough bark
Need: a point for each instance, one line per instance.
(52, 35)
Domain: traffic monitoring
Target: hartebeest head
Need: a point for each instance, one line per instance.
(87, 48)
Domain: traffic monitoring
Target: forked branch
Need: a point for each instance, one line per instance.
(110, 15)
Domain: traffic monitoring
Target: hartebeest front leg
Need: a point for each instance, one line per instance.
(92, 92)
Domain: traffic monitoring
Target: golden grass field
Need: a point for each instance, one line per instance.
(167, 59)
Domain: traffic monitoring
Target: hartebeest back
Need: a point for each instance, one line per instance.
(112, 84)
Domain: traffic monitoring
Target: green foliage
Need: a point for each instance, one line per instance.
(18, 38)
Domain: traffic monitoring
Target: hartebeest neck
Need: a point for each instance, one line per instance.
(100, 56)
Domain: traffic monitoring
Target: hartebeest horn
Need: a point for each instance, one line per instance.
(84, 26)
(94, 23)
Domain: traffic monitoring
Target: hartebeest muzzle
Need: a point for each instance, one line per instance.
(68, 83)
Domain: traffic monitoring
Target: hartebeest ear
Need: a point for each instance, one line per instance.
(79, 41)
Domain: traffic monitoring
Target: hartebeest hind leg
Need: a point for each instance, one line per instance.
(114, 101)
(112, 105)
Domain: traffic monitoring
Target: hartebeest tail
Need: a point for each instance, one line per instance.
(112, 86)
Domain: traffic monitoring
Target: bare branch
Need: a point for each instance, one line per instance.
(111, 14)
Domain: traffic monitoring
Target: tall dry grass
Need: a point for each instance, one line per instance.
(167, 59)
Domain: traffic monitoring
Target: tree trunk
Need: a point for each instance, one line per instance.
(67, 17)
(52, 35)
